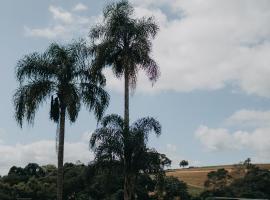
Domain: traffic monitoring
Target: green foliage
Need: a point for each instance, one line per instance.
(217, 180)
(183, 163)
(124, 43)
(31, 181)
(63, 74)
(110, 142)
(254, 184)
(96, 181)
(175, 188)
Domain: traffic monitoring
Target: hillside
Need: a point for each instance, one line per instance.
(195, 177)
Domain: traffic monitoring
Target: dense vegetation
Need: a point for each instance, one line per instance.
(96, 181)
(245, 180)
(103, 179)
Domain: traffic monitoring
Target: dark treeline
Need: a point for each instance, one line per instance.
(245, 180)
(96, 181)
(104, 180)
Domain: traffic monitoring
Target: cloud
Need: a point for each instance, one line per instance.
(208, 45)
(251, 118)
(215, 139)
(256, 140)
(66, 25)
(80, 7)
(50, 32)
(60, 14)
(201, 45)
(223, 140)
(43, 152)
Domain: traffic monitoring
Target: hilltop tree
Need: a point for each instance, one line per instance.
(124, 44)
(183, 163)
(61, 74)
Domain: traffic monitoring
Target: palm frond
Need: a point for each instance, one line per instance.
(146, 125)
(72, 101)
(27, 99)
(34, 66)
(95, 98)
(113, 121)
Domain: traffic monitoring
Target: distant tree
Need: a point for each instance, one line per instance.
(183, 163)
(247, 163)
(62, 75)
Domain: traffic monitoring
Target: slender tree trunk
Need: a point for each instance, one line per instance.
(126, 114)
(128, 186)
(61, 154)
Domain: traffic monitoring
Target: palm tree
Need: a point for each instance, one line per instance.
(60, 73)
(124, 44)
(111, 143)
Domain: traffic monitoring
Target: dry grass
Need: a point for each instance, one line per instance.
(191, 177)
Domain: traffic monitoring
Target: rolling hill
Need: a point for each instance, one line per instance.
(195, 177)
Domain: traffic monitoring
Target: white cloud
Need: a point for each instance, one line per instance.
(201, 45)
(66, 25)
(215, 139)
(80, 7)
(50, 32)
(253, 118)
(61, 14)
(214, 44)
(256, 140)
(43, 152)
(223, 140)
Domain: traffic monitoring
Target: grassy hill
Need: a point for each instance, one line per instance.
(195, 177)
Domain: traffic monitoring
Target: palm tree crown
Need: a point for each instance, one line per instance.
(124, 43)
(60, 73)
(110, 142)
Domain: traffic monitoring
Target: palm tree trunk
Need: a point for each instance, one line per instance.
(128, 188)
(126, 114)
(61, 154)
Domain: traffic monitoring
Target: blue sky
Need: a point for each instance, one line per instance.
(212, 98)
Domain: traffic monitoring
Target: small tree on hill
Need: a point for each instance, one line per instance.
(183, 163)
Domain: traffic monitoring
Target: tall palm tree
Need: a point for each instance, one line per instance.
(111, 143)
(124, 44)
(60, 73)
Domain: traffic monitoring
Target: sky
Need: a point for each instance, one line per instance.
(212, 99)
